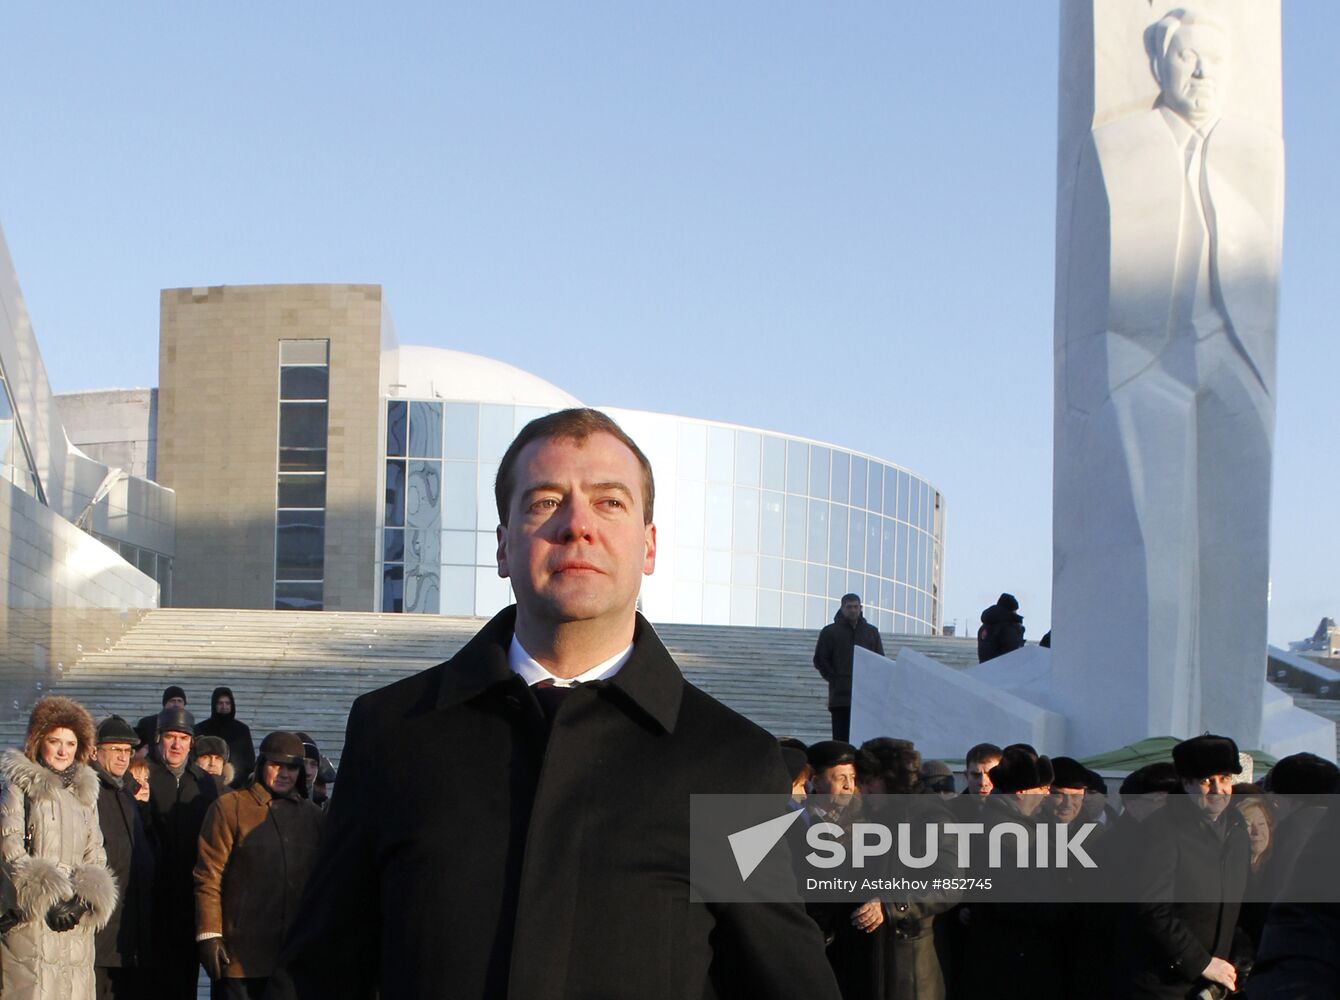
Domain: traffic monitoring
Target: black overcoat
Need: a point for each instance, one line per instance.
(834, 651)
(1190, 880)
(463, 859)
(176, 812)
(127, 940)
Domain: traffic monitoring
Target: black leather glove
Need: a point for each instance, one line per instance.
(63, 916)
(214, 957)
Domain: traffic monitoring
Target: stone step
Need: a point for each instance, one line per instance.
(302, 670)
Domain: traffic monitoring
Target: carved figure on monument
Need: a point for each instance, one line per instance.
(1166, 321)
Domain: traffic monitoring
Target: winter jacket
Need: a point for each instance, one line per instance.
(64, 858)
(1002, 632)
(834, 651)
(256, 852)
(126, 940)
(241, 749)
(1191, 879)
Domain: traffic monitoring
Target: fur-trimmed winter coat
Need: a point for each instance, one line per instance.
(65, 859)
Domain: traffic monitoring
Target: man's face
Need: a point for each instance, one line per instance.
(311, 767)
(114, 758)
(575, 546)
(175, 747)
(1066, 803)
(839, 781)
(979, 781)
(1194, 72)
(279, 778)
(851, 610)
(1210, 795)
(210, 763)
(223, 705)
(175, 702)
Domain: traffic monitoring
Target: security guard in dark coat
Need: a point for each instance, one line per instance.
(1194, 859)
(833, 655)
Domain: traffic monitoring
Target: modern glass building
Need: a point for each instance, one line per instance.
(85, 546)
(359, 476)
(754, 528)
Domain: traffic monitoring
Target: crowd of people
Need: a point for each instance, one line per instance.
(1193, 861)
(135, 854)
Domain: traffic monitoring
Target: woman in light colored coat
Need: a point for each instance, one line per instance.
(51, 844)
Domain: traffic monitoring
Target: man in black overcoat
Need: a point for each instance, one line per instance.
(124, 948)
(833, 655)
(1190, 872)
(554, 864)
(180, 793)
(224, 723)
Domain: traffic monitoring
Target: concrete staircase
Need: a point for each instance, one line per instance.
(302, 670)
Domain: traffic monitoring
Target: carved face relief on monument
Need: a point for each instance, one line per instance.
(1190, 60)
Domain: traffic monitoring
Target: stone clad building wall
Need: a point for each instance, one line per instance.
(218, 443)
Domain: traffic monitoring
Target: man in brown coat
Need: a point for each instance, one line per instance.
(257, 848)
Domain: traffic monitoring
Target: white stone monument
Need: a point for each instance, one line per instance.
(1170, 188)
(1170, 209)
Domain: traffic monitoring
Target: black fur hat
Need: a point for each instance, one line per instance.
(1203, 756)
(1019, 770)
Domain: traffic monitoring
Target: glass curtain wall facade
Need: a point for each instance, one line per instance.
(771, 530)
(437, 544)
(754, 528)
(300, 505)
(16, 461)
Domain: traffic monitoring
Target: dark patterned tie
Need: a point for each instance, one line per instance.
(550, 696)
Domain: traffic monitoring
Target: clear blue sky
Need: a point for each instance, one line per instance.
(827, 219)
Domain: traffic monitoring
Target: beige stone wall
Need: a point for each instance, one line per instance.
(218, 412)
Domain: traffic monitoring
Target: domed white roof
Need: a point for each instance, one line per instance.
(426, 372)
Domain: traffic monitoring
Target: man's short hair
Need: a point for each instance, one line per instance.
(850, 597)
(983, 752)
(571, 425)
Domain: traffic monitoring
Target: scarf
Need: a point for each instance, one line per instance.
(66, 776)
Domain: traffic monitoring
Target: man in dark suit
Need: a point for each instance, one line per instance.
(560, 869)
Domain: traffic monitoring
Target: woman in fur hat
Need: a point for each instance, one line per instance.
(52, 845)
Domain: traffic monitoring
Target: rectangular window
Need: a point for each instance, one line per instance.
(300, 487)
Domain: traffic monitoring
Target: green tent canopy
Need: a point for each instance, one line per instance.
(1151, 751)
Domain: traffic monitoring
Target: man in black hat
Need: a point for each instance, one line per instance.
(211, 754)
(147, 728)
(223, 723)
(124, 948)
(561, 869)
(257, 848)
(854, 934)
(1195, 859)
(1013, 947)
(833, 658)
(180, 793)
(1002, 629)
(1295, 784)
(1070, 781)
